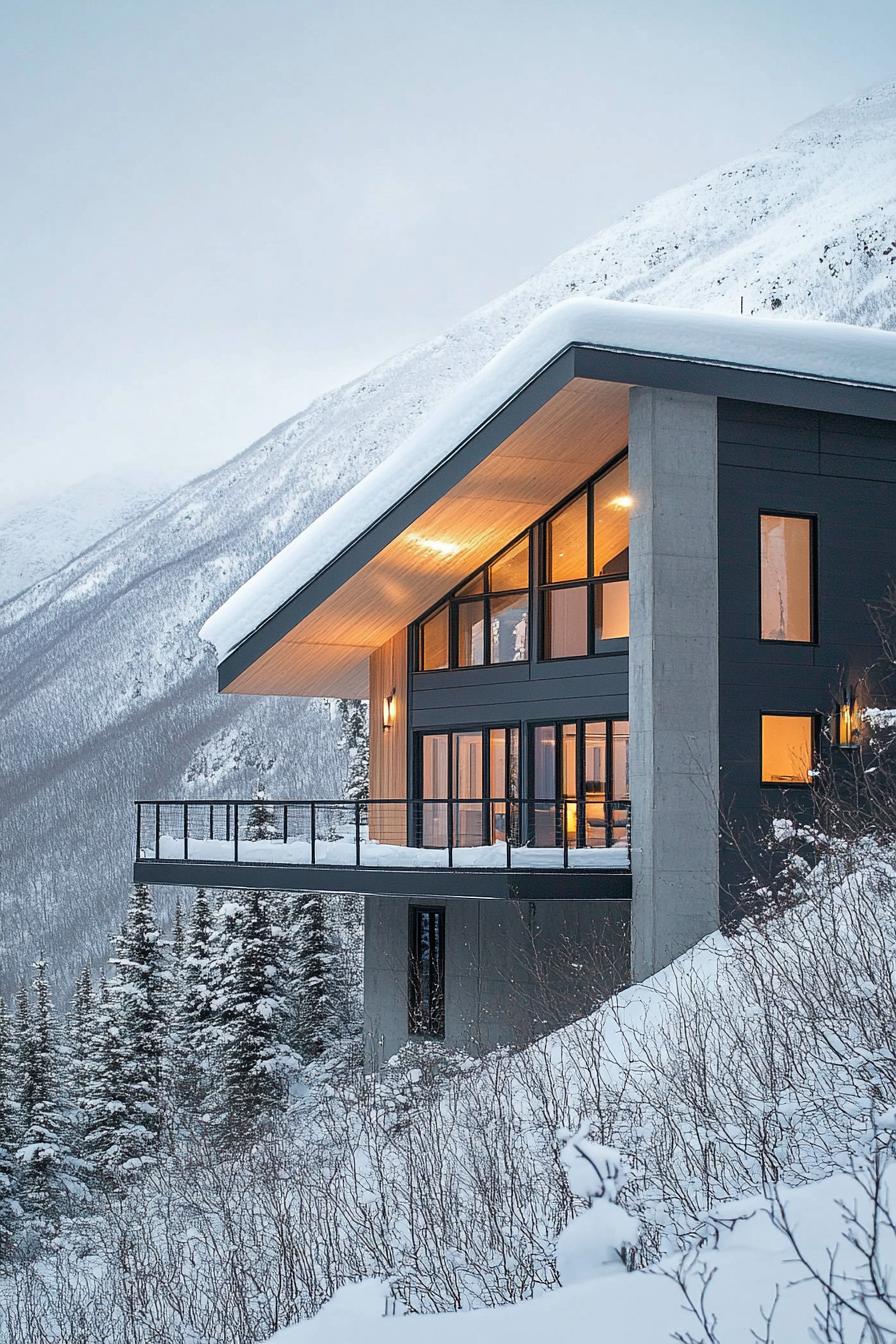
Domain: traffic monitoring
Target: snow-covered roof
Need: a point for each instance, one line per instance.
(830, 352)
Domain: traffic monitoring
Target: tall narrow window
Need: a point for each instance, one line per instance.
(585, 568)
(787, 579)
(788, 748)
(426, 971)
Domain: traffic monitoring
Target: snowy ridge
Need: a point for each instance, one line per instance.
(106, 692)
(832, 351)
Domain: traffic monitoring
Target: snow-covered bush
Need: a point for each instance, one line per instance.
(602, 1238)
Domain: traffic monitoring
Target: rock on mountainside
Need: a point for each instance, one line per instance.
(106, 694)
(42, 536)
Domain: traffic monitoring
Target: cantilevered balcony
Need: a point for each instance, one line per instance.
(477, 847)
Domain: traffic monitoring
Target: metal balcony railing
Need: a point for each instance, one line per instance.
(525, 833)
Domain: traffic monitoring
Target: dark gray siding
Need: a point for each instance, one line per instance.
(842, 469)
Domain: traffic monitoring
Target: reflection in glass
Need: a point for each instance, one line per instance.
(566, 622)
(509, 629)
(595, 782)
(786, 579)
(544, 779)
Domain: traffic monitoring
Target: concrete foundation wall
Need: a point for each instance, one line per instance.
(513, 970)
(674, 674)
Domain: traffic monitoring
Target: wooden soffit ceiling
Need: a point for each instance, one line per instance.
(569, 438)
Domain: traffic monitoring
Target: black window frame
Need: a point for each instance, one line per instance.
(590, 582)
(815, 740)
(811, 518)
(608, 720)
(454, 600)
(536, 535)
(488, 795)
(426, 1021)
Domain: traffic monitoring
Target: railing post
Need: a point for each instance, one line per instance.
(186, 832)
(236, 832)
(227, 822)
(507, 828)
(285, 821)
(450, 831)
(563, 821)
(137, 854)
(158, 826)
(211, 821)
(314, 833)
(358, 833)
(628, 833)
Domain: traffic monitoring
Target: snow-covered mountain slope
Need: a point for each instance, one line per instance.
(41, 536)
(106, 692)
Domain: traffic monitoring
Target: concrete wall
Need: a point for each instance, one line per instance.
(513, 970)
(673, 664)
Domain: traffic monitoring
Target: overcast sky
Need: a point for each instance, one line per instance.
(214, 211)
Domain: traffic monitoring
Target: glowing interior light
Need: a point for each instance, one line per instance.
(433, 544)
(622, 501)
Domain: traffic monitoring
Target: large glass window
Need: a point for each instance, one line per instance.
(587, 540)
(788, 748)
(580, 782)
(426, 971)
(582, 582)
(787, 579)
(486, 619)
(469, 781)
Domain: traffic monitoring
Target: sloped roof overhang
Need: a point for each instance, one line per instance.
(298, 649)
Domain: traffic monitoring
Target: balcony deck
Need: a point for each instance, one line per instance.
(303, 845)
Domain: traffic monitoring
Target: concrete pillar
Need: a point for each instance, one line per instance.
(673, 674)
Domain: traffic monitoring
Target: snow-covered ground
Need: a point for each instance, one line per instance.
(374, 854)
(748, 1265)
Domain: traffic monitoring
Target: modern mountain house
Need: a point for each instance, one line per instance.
(610, 607)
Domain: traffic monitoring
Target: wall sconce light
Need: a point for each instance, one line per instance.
(388, 711)
(846, 720)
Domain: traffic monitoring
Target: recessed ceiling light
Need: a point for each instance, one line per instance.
(433, 544)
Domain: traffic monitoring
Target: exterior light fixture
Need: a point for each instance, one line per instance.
(388, 711)
(846, 720)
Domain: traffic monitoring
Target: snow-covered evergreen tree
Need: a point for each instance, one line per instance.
(42, 1153)
(139, 992)
(315, 956)
(193, 1013)
(107, 1141)
(9, 1206)
(355, 742)
(261, 824)
(253, 1059)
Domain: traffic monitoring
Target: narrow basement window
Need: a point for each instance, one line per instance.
(426, 971)
(788, 748)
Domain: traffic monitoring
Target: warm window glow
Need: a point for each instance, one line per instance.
(470, 634)
(611, 502)
(787, 748)
(786, 582)
(511, 570)
(567, 542)
(611, 610)
(434, 641)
